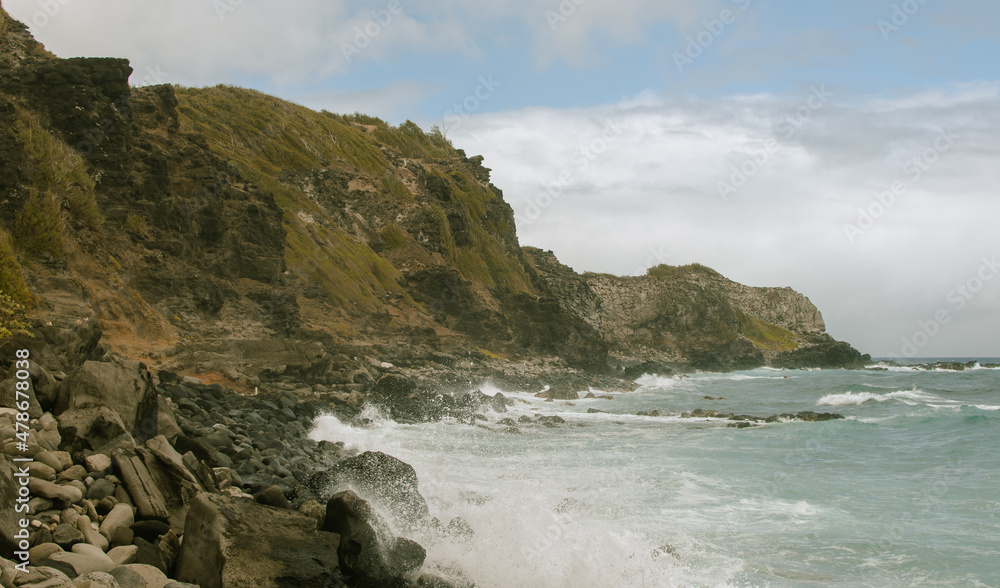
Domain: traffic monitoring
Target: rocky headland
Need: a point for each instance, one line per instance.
(197, 273)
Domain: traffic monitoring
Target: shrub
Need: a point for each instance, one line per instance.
(12, 318)
(137, 225)
(38, 225)
(12, 281)
(393, 235)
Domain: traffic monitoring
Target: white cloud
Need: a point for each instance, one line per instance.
(205, 42)
(654, 188)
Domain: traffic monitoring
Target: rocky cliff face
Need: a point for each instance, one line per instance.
(228, 233)
(692, 317)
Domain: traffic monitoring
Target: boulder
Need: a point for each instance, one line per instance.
(166, 423)
(67, 535)
(559, 392)
(80, 562)
(272, 496)
(41, 471)
(139, 576)
(100, 489)
(98, 462)
(389, 482)
(96, 580)
(234, 542)
(123, 554)
(361, 551)
(94, 428)
(121, 516)
(67, 494)
(90, 535)
(125, 387)
(147, 497)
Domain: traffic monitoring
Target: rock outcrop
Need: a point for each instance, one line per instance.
(692, 317)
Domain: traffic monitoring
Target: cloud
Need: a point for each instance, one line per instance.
(392, 102)
(654, 188)
(204, 42)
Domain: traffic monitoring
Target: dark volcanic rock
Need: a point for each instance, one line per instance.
(361, 553)
(388, 481)
(826, 354)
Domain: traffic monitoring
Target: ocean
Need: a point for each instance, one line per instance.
(905, 491)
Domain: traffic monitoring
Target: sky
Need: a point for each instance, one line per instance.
(847, 149)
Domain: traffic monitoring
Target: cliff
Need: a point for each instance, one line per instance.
(227, 233)
(693, 317)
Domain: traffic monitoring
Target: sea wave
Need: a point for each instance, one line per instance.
(913, 396)
(655, 381)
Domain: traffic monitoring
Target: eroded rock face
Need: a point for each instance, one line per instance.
(236, 542)
(695, 318)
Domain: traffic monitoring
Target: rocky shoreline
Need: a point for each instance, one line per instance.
(159, 481)
(142, 479)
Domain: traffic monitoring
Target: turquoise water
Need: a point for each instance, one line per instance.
(904, 492)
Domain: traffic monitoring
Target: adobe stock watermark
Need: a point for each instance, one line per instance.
(543, 539)
(901, 14)
(957, 299)
(462, 110)
(913, 170)
(579, 162)
(711, 31)
(656, 257)
(364, 35)
(788, 126)
(47, 10)
(224, 7)
(154, 76)
(564, 10)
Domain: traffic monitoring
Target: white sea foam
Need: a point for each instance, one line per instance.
(912, 397)
(521, 514)
(656, 381)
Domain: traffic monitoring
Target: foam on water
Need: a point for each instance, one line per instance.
(527, 530)
(911, 397)
(595, 502)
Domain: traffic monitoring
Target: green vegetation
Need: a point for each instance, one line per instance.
(137, 225)
(59, 180)
(764, 334)
(38, 225)
(14, 293)
(263, 136)
(60, 171)
(12, 318)
(486, 261)
(12, 281)
(413, 143)
(395, 186)
(393, 235)
(351, 274)
(670, 271)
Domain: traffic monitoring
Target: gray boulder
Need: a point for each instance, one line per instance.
(125, 387)
(363, 552)
(237, 542)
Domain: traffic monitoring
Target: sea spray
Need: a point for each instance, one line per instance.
(897, 494)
